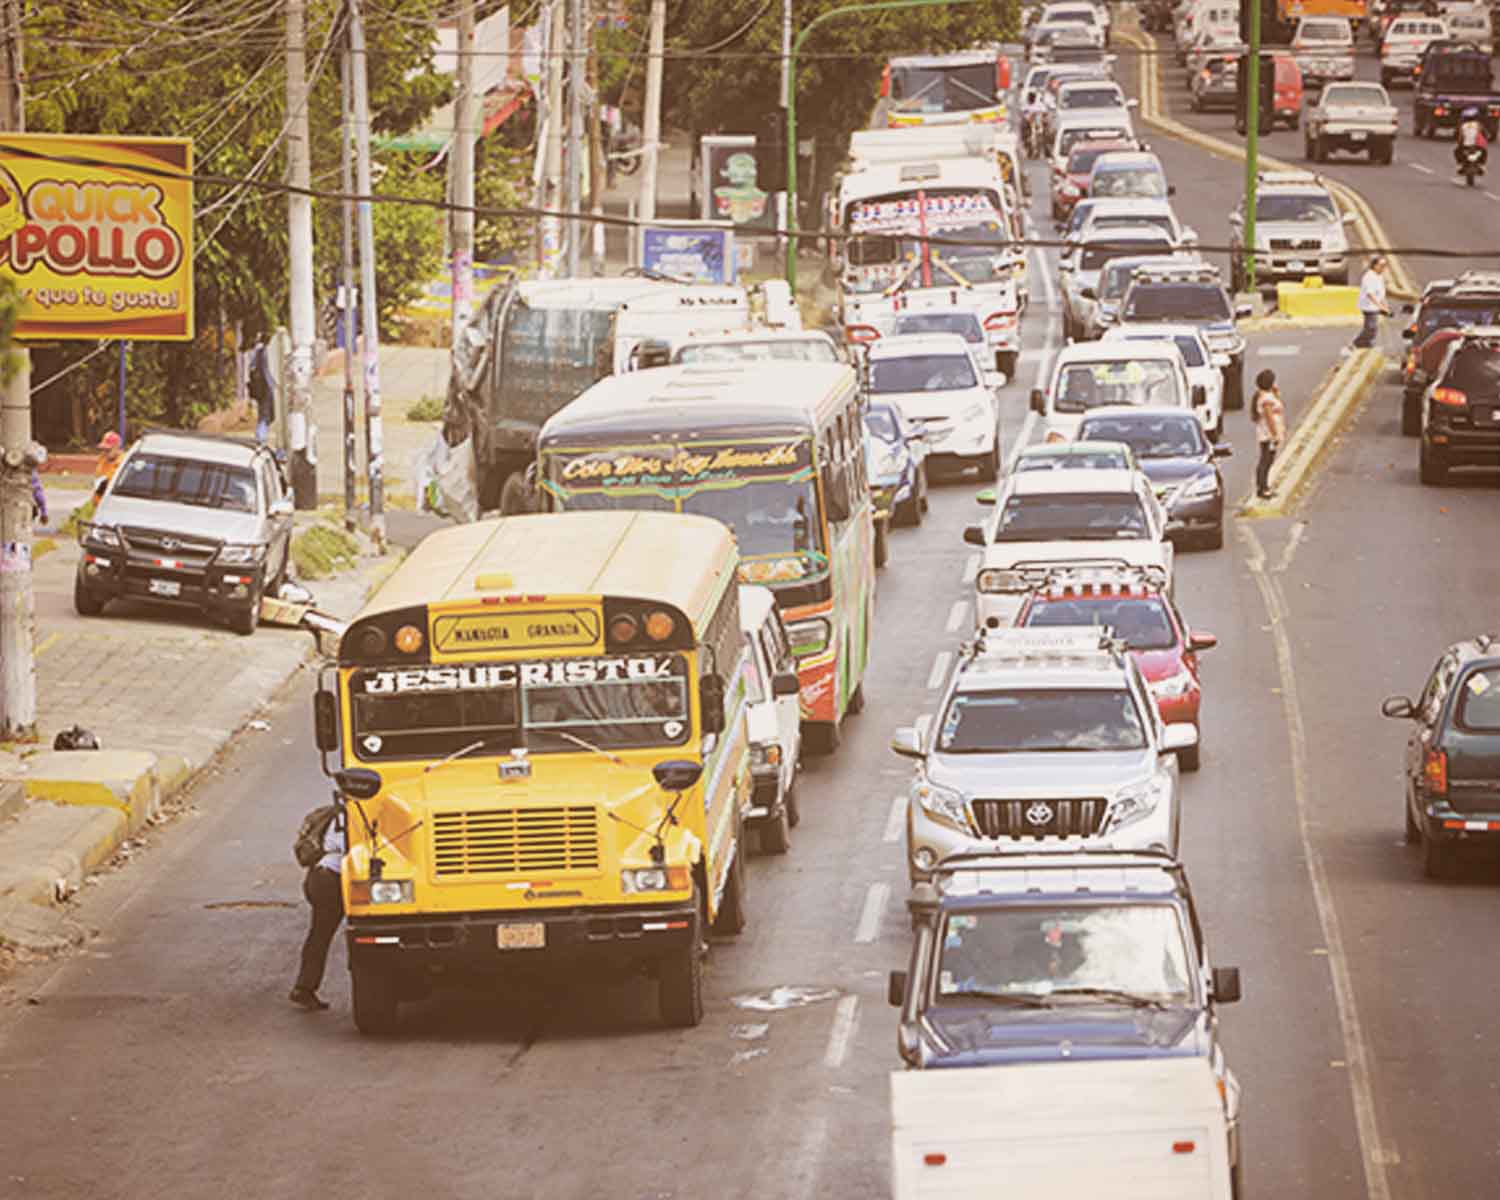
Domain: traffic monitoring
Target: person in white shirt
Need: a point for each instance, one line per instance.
(1372, 304)
(323, 888)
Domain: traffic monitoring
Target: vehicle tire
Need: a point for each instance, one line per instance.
(856, 703)
(1431, 470)
(734, 912)
(776, 836)
(1413, 830)
(1214, 538)
(1411, 414)
(245, 620)
(1236, 1188)
(1005, 363)
(377, 1003)
(1308, 151)
(1384, 154)
(793, 804)
(821, 738)
(1234, 385)
(1296, 122)
(274, 587)
(680, 979)
(1439, 859)
(86, 602)
(989, 465)
(1191, 758)
(515, 496)
(908, 512)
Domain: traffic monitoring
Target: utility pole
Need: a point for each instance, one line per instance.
(374, 433)
(301, 429)
(346, 283)
(552, 230)
(597, 170)
(462, 163)
(651, 134)
(1252, 136)
(577, 46)
(20, 454)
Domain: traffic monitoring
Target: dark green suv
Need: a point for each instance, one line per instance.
(1452, 794)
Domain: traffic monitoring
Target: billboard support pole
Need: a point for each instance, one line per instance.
(17, 604)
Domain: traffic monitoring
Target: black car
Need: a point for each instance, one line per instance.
(1178, 459)
(1461, 408)
(1471, 299)
(1452, 771)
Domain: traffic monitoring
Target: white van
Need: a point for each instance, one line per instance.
(1094, 374)
(772, 721)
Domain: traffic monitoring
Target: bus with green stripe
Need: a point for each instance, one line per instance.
(776, 452)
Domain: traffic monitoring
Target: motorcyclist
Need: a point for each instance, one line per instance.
(1470, 135)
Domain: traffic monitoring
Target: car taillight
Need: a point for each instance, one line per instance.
(1435, 772)
(1451, 397)
(861, 333)
(999, 321)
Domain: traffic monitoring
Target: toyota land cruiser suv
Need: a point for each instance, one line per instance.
(1299, 231)
(188, 519)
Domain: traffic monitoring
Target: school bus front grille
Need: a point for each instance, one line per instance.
(506, 841)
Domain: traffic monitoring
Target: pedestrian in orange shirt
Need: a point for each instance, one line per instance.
(110, 454)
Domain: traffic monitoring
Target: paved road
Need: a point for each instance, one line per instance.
(166, 1060)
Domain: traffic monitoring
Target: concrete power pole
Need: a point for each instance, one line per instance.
(578, 49)
(461, 162)
(17, 605)
(374, 430)
(301, 430)
(347, 288)
(552, 231)
(651, 134)
(597, 170)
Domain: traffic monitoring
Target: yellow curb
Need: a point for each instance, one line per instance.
(124, 780)
(1402, 285)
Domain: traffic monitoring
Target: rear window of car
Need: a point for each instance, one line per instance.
(1100, 97)
(1325, 31)
(1450, 314)
(1479, 700)
(1475, 370)
(1177, 302)
(1096, 254)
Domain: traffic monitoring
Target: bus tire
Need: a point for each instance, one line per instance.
(680, 979)
(882, 544)
(856, 701)
(776, 836)
(821, 738)
(376, 1001)
(515, 496)
(733, 914)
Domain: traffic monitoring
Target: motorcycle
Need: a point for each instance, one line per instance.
(1470, 162)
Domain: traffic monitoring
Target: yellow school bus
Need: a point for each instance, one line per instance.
(540, 726)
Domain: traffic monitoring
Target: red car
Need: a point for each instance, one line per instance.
(1133, 603)
(1071, 184)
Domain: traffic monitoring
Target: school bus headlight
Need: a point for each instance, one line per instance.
(408, 639)
(659, 625)
(624, 628)
(381, 891)
(809, 636)
(636, 880)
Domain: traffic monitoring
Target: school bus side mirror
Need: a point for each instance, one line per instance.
(676, 774)
(711, 703)
(359, 783)
(326, 720)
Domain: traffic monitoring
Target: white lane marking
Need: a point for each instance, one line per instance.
(878, 896)
(1420, 167)
(971, 567)
(1289, 551)
(895, 821)
(939, 670)
(1492, 196)
(957, 615)
(1356, 1050)
(845, 1017)
(1278, 351)
(923, 724)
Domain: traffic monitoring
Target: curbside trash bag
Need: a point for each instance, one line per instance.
(425, 467)
(458, 483)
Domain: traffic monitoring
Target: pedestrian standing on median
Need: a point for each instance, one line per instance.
(1269, 414)
(323, 888)
(1372, 304)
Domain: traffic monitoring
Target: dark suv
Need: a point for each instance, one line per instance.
(1445, 307)
(189, 519)
(1193, 295)
(1452, 771)
(1461, 408)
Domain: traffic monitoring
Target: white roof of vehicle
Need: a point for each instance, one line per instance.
(958, 58)
(756, 604)
(1145, 412)
(1165, 331)
(1127, 159)
(204, 449)
(1103, 351)
(887, 178)
(1119, 233)
(1051, 483)
(909, 345)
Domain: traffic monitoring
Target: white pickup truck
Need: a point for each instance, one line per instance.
(1126, 1129)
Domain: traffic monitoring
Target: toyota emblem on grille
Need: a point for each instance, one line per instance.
(1039, 814)
(170, 543)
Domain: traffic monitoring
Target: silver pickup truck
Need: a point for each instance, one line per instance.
(1354, 117)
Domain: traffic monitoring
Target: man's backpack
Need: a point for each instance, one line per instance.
(308, 847)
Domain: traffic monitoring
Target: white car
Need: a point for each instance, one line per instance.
(1098, 99)
(1405, 40)
(1324, 49)
(1205, 369)
(1115, 212)
(1094, 374)
(932, 377)
(1472, 23)
(1046, 519)
(772, 719)
(953, 319)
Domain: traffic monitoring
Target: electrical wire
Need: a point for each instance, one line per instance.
(731, 39)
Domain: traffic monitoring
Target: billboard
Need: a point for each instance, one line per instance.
(97, 235)
(690, 251)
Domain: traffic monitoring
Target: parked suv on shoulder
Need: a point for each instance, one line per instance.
(1045, 737)
(1461, 409)
(1452, 765)
(189, 519)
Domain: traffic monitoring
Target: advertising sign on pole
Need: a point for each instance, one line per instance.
(692, 251)
(97, 235)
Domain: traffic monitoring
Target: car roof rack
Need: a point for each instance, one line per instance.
(1286, 178)
(1178, 272)
(1470, 282)
(1148, 576)
(1051, 646)
(1048, 858)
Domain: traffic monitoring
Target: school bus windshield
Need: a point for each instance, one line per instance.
(615, 702)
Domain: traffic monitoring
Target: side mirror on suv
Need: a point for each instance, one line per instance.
(1226, 984)
(1399, 707)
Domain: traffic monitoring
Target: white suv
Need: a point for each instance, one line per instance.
(932, 377)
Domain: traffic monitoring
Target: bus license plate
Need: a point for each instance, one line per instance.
(164, 587)
(1358, 135)
(529, 936)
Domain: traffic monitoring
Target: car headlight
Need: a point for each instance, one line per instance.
(765, 754)
(942, 804)
(391, 891)
(101, 535)
(998, 580)
(1136, 801)
(1173, 686)
(1204, 485)
(809, 636)
(636, 880)
(240, 555)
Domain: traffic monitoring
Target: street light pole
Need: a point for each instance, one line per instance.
(791, 111)
(1252, 137)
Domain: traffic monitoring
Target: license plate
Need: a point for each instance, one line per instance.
(1296, 265)
(531, 935)
(164, 587)
(1358, 136)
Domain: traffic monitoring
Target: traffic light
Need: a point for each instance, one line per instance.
(770, 152)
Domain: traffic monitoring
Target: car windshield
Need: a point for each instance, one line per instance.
(1028, 721)
(1177, 302)
(1048, 952)
(1081, 158)
(943, 89)
(1450, 315)
(1295, 206)
(966, 325)
(1143, 180)
(1475, 371)
(1142, 621)
(1080, 517)
(1479, 701)
(1093, 97)
(922, 373)
(186, 481)
(1101, 460)
(1068, 138)
(1083, 386)
(780, 350)
(1354, 95)
(1154, 436)
(1096, 254)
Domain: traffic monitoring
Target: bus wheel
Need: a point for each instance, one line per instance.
(376, 1003)
(733, 914)
(776, 836)
(821, 737)
(856, 701)
(680, 979)
(515, 496)
(882, 544)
